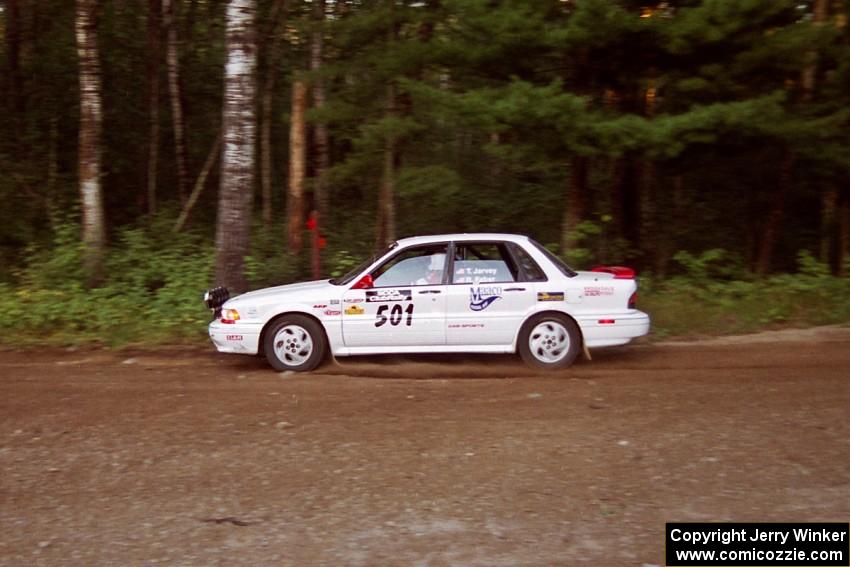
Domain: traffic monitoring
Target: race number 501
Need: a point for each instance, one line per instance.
(396, 315)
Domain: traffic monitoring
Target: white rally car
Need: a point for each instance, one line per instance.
(497, 293)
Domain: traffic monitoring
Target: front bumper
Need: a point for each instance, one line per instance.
(240, 338)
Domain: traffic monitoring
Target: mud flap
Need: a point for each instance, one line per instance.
(586, 351)
(331, 360)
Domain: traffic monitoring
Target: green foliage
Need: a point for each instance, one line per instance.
(58, 265)
(712, 265)
(270, 263)
(709, 300)
(341, 262)
(151, 293)
(581, 254)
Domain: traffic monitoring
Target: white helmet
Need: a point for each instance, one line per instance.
(437, 262)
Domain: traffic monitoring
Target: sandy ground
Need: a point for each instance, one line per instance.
(187, 457)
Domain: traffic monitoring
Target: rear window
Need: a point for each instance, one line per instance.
(533, 272)
(565, 269)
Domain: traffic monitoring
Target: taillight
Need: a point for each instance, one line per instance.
(633, 301)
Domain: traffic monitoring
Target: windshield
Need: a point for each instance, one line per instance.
(569, 272)
(354, 272)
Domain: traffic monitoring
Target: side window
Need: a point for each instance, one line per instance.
(477, 263)
(532, 271)
(419, 265)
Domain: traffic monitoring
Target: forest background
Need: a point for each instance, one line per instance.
(153, 148)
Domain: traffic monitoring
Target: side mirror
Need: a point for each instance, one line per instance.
(364, 283)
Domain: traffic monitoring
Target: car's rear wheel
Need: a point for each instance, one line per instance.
(549, 341)
(295, 343)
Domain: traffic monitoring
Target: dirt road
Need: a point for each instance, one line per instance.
(186, 457)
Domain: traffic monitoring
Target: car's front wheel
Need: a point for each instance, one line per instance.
(549, 341)
(295, 343)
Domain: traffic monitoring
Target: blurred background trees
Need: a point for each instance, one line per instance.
(616, 131)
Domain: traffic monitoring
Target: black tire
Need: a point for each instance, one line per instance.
(549, 341)
(296, 343)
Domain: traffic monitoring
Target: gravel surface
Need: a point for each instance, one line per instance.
(187, 457)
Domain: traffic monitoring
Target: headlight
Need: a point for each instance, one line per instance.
(229, 315)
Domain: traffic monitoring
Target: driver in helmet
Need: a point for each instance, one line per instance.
(434, 275)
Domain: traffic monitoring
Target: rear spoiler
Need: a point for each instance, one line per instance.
(620, 272)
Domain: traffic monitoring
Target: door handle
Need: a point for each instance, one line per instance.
(430, 291)
(515, 289)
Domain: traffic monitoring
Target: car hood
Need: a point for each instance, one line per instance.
(301, 290)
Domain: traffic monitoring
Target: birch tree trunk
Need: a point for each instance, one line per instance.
(297, 166)
(178, 118)
(321, 157)
(91, 195)
(233, 229)
(154, 34)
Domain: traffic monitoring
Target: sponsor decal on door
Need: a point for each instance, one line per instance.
(354, 310)
(387, 295)
(480, 298)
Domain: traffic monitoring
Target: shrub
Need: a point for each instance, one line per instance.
(151, 291)
(711, 299)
